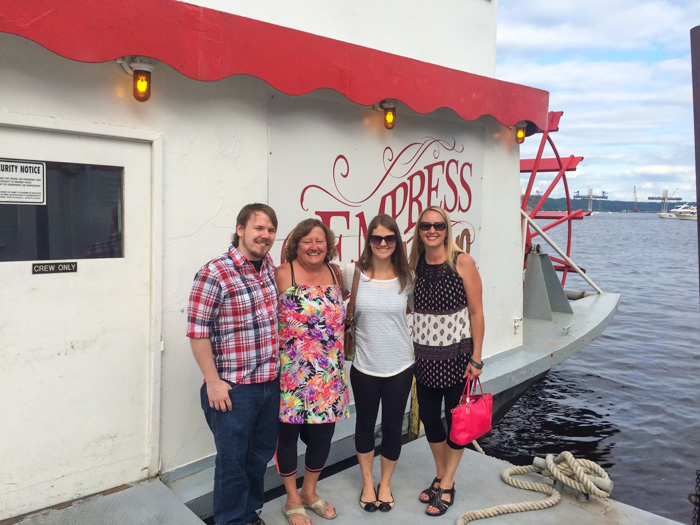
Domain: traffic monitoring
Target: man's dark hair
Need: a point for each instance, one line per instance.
(247, 212)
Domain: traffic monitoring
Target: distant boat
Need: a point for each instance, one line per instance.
(689, 214)
(683, 209)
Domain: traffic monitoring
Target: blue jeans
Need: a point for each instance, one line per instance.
(245, 438)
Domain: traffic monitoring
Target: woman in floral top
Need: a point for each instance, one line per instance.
(314, 392)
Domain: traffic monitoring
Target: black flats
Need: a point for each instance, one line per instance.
(384, 506)
(377, 504)
(369, 506)
(440, 504)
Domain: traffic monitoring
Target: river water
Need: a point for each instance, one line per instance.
(630, 400)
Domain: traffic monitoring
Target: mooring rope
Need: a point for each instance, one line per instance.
(582, 475)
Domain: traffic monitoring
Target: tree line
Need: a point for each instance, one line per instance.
(602, 205)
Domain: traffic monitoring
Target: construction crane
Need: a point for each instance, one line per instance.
(590, 197)
(664, 198)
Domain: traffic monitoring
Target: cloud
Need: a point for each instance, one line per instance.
(621, 72)
(544, 28)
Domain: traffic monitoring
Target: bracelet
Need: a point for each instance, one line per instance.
(476, 365)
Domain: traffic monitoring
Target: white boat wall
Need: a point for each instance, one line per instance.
(264, 103)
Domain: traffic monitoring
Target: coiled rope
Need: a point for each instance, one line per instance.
(582, 475)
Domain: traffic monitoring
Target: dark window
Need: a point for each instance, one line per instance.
(82, 217)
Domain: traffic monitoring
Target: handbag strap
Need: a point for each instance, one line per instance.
(336, 274)
(468, 386)
(350, 314)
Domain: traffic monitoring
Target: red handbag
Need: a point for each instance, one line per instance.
(471, 418)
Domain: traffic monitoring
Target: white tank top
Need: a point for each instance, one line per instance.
(383, 344)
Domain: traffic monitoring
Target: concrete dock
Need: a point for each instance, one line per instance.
(478, 486)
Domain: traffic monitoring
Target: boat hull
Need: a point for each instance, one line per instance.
(685, 212)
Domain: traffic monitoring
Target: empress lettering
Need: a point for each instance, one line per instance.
(422, 174)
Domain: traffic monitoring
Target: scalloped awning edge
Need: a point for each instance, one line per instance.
(209, 45)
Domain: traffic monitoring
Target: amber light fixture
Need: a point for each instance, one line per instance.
(389, 107)
(520, 134)
(140, 70)
(141, 80)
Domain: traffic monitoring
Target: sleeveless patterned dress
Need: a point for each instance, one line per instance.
(312, 372)
(441, 331)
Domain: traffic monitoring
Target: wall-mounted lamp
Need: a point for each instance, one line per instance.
(140, 71)
(520, 133)
(389, 107)
(142, 80)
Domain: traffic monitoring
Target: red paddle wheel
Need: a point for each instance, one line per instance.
(560, 166)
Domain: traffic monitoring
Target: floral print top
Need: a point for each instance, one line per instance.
(312, 374)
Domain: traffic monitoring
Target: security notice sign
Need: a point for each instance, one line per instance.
(22, 182)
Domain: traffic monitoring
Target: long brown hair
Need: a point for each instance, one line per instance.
(398, 258)
(450, 246)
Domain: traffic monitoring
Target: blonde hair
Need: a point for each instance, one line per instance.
(418, 247)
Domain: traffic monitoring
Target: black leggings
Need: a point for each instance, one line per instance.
(430, 411)
(316, 436)
(393, 393)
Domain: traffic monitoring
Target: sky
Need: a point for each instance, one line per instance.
(620, 71)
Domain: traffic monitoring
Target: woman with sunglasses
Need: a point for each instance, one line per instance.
(382, 371)
(448, 331)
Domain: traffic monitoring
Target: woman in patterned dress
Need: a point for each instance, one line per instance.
(314, 392)
(448, 332)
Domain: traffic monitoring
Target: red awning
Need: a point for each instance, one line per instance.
(208, 45)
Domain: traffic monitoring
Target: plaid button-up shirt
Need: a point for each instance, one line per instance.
(236, 308)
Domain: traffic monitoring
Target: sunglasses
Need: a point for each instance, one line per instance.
(439, 226)
(390, 240)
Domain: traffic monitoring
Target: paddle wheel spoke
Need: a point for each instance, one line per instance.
(561, 167)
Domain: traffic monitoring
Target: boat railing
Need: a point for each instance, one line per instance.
(561, 252)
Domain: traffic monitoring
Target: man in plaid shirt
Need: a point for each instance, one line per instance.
(232, 326)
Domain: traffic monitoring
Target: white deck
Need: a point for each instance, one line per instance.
(548, 343)
(148, 502)
(478, 486)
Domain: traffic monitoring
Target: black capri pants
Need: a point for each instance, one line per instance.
(316, 436)
(430, 411)
(393, 393)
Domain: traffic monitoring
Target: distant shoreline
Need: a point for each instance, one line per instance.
(603, 205)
